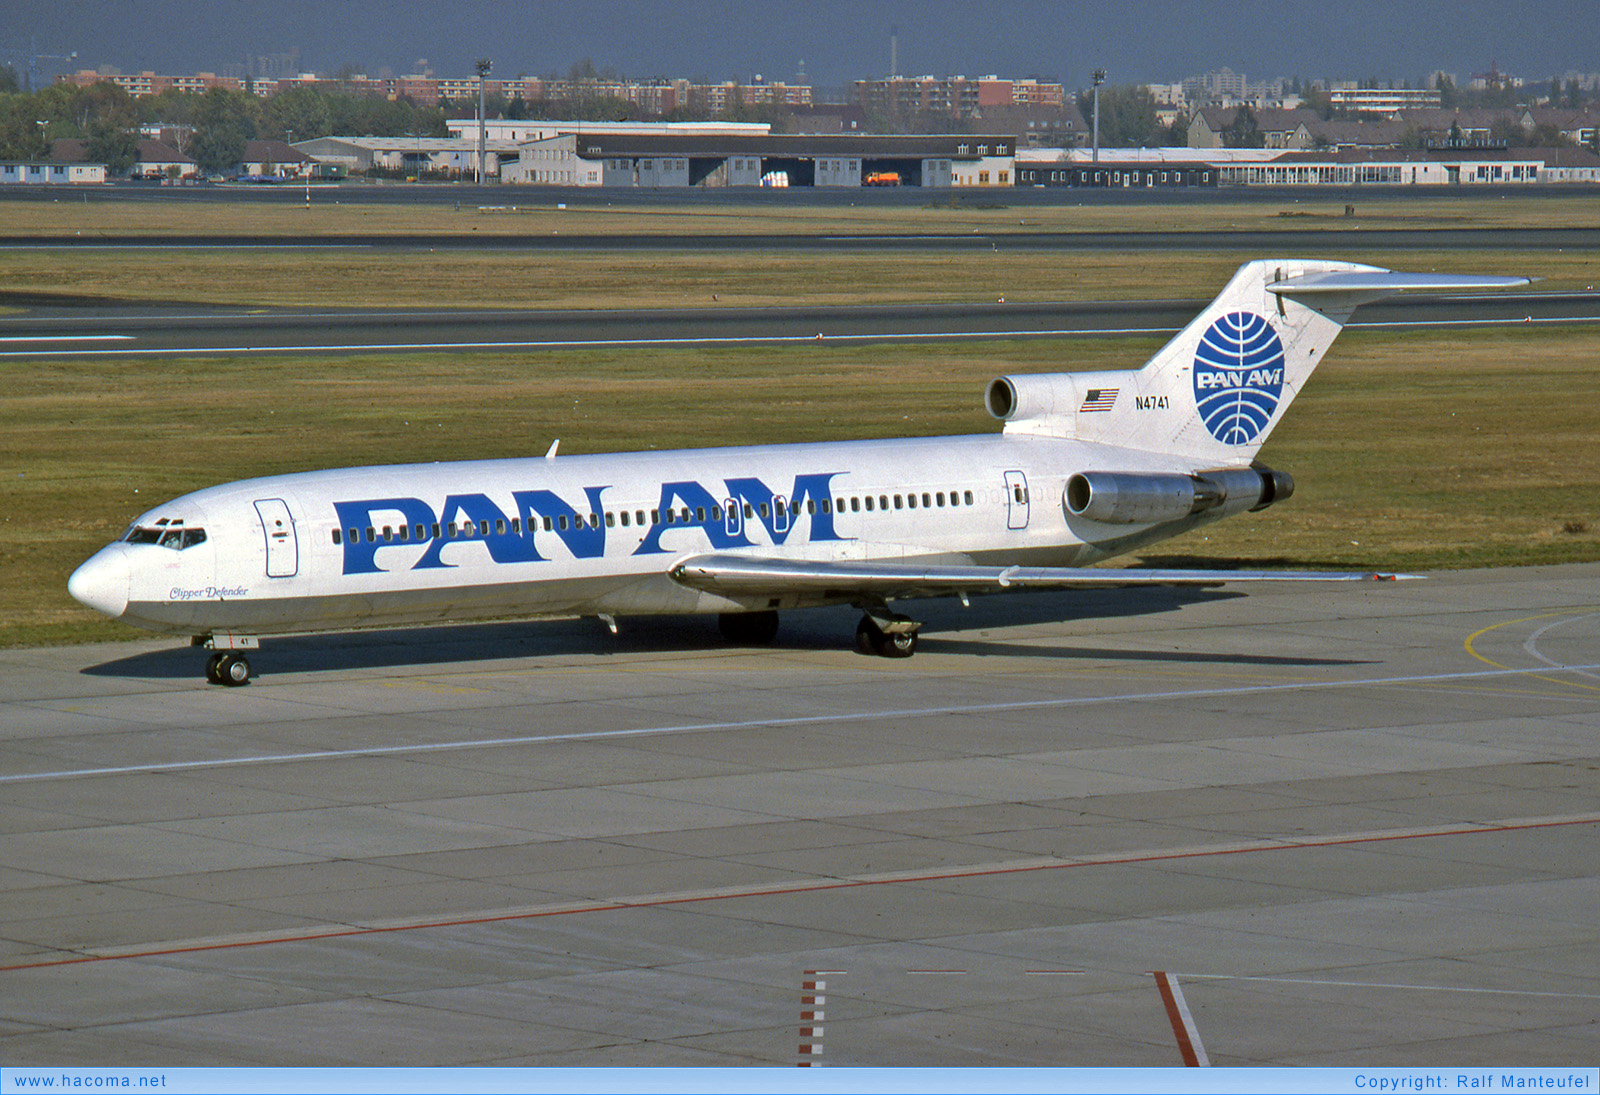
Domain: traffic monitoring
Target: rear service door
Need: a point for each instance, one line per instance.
(1016, 500)
(283, 548)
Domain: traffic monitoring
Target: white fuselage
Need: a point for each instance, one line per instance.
(420, 543)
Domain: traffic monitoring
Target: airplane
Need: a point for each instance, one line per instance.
(1087, 466)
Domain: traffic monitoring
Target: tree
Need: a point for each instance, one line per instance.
(1449, 98)
(224, 122)
(9, 84)
(1244, 131)
(113, 146)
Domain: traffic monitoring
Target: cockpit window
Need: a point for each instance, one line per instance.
(169, 534)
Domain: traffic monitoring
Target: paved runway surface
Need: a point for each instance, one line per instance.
(52, 328)
(1256, 242)
(1328, 827)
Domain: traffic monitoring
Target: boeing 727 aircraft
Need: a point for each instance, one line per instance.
(1087, 466)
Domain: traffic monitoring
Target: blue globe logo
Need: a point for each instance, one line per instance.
(1238, 377)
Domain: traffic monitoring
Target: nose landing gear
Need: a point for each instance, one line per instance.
(226, 667)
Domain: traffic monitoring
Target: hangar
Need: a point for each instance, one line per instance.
(718, 160)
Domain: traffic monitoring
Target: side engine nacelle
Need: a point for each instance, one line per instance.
(1050, 400)
(1130, 498)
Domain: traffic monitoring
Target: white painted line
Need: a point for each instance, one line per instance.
(1183, 1028)
(796, 720)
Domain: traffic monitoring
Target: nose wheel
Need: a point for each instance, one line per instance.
(229, 668)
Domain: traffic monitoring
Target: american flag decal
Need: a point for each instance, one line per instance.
(1099, 399)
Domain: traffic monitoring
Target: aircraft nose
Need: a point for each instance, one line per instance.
(102, 582)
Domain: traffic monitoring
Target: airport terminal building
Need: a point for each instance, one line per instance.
(668, 160)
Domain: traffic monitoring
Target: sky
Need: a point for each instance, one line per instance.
(1136, 41)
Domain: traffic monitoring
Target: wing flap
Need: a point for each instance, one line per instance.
(753, 576)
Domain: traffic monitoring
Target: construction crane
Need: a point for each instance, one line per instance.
(32, 56)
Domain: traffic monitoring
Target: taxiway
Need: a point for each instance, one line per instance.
(1340, 826)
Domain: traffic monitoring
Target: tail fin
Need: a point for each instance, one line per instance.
(1214, 393)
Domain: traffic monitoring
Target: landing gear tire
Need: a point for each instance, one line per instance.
(232, 670)
(748, 628)
(213, 664)
(871, 639)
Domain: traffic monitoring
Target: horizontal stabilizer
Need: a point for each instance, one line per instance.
(1381, 283)
(750, 576)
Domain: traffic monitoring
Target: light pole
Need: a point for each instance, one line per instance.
(1099, 77)
(484, 66)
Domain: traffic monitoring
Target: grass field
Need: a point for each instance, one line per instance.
(663, 279)
(1409, 451)
(532, 212)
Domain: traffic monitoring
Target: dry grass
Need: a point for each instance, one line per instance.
(610, 279)
(531, 212)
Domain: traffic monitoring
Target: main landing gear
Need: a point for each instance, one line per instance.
(881, 632)
(227, 667)
(887, 634)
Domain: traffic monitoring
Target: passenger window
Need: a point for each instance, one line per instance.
(749, 513)
(926, 501)
(611, 519)
(764, 512)
(855, 504)
(624, 518)
(686, 515)
(883, 501)
(483, 528)
(549, 524)
(388, 533)
(911, 501)
(898, 502)
(405, 533)
(422, 532)
(700, 514)
(561, 522)
(372, 535)
(516, 526)
(355, 536)
(435, 529)
(639, 517)
(811, 507)
(940, 499)
(655, 517)
(499, 527)
(336, 536)
(869, 503)
(968, 497)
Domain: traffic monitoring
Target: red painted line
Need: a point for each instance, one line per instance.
(665, 902)
(1180, 1029)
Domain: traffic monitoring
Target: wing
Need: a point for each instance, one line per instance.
(754, 576)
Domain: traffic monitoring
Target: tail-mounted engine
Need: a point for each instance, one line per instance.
(1127, 498)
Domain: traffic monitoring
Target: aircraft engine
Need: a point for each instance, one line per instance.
(1129, 498)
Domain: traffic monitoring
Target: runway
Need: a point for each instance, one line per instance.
(1255, 242)
(52, 328)
(1343, 826)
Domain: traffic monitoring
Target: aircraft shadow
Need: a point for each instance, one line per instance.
(945, 622)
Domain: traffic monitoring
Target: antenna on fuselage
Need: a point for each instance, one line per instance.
(554, 445)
